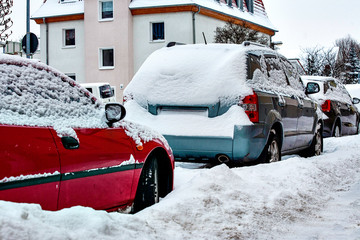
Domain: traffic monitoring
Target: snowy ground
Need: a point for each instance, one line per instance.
(297, 198)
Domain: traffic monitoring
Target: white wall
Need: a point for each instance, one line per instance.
(65, 59)
(178, 28)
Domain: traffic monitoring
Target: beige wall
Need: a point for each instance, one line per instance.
(116, 34)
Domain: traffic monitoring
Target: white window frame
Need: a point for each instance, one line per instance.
(100, 11)
(151, 32)
(64, 38)
(101, 58)
(71, 75)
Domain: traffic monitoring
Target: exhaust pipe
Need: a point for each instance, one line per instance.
(222, 158)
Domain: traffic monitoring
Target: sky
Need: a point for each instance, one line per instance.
(18, 16)
(308, 23)
(301, 24)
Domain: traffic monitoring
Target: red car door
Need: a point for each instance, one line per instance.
(29, 166)
(99, 171)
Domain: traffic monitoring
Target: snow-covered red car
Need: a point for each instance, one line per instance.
(62, 147)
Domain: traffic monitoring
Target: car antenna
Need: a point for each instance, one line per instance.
(204, 38)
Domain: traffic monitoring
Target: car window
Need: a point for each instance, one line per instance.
(38, 96)
(292, 74)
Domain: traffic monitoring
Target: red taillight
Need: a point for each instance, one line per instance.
(251, 106)
(326, 106)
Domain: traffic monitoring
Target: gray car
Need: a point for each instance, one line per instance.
(223, 102)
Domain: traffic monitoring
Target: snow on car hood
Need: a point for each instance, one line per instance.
(182, 123)
(191, 75)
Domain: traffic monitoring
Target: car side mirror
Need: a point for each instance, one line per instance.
(114, 112)
(355, 100)
(312, 88)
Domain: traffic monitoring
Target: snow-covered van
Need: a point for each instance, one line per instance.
(232, 103)
(102, 91)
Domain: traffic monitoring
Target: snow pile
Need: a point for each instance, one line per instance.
(336, 93)
(190, 75)
(297, 198)
(188, 123)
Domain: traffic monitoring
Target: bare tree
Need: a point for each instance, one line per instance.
(313, 60)
(5, 21)
(235, 33)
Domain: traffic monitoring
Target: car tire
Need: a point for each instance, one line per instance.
(272, 151)
(147, 192)
(337, 132)
(316, 146)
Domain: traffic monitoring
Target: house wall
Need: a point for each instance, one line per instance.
(117, 34)
(65, 59)
(178, 28)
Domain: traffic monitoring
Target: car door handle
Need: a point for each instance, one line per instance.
(70, 143)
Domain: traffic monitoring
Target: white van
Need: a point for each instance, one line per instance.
(102, 91)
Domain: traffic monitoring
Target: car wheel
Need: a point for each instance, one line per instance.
(147, 192)
(358, 128)
(271, 152)
(316, 146)
(337, 132)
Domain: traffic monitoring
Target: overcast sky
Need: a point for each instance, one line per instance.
(310, 23)
(301, 23)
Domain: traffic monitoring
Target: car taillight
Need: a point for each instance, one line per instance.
(127, 98)
(251, 106)
(326, 106)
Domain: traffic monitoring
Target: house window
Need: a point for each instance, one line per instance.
(158, 31)
(106, 11)
(69, 37)
(106, 58)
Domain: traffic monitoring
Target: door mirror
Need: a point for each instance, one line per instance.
(114, 112)
(356, 100)
(312, 88)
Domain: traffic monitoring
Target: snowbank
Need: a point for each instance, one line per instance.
(297, 198)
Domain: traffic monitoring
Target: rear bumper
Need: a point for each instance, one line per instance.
(246, 145)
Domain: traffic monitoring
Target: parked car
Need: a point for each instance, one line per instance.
(340, 115)
(62, 147)
(232, 103)
(102, 91)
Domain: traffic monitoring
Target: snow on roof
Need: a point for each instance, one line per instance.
(54, 8)
(259, 17)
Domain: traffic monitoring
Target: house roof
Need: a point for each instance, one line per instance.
(258, 17)
(55, 8)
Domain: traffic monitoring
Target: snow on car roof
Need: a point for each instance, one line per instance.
(190, 75)
(336, 93)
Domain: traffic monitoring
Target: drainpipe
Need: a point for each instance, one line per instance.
(193, 23)
(46, 41)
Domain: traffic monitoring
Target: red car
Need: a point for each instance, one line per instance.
(61, 147)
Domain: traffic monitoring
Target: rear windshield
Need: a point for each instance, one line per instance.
(106, 91)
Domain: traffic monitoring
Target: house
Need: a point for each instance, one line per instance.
(108, 40)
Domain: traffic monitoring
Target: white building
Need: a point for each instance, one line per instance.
(108, 40)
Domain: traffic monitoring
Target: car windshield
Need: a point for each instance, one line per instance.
(105, 91)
